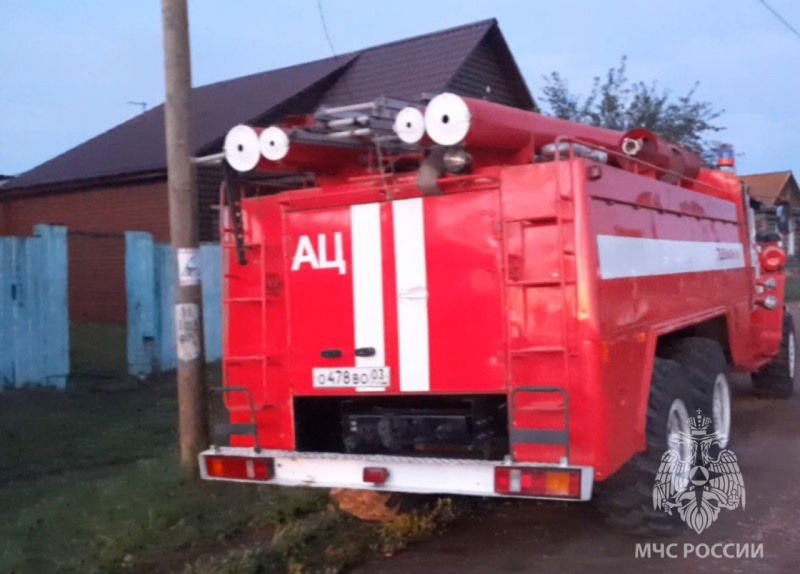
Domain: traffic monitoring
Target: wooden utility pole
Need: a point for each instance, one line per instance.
(183, 225)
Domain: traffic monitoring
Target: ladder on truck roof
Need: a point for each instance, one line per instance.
(371, 122)
(364, 125)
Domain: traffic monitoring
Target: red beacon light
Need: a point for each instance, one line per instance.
(726, 159)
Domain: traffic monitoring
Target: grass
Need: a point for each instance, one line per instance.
(329, 542)
(46, 432)
(133, 519)
(98, 348)
(89, 483)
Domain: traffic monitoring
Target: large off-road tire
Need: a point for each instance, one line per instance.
(776, 378)
(707, 360)
(626, 499)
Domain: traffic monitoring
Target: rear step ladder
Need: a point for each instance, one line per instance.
(224, 431)
(519, 436)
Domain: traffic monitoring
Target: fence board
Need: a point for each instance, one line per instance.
(141, 296)
(211, 270)
(7, 274)
(34, 317)
(166, 277)
(28, 333)
(54, 303)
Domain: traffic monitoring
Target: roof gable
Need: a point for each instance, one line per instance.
(408, 68)
(773, 188)
(491, 72)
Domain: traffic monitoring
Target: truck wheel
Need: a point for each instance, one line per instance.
(626, 499)
(776, 378)
(712, 391)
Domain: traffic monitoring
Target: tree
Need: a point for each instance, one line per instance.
(616, 103)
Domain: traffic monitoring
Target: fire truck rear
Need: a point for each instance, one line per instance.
(464, 298)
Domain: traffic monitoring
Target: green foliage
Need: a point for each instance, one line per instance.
(616, 103)
(89, 482)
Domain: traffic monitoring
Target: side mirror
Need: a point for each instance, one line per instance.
(784, 214)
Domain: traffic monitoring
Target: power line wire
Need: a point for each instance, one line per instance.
(325, 26)
(330, 43)
(781, 18)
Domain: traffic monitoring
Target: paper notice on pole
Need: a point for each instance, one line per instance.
(187, 327)
(188, 266)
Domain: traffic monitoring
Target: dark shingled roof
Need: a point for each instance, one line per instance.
(403, 69)
(407, 68)
(138, 145)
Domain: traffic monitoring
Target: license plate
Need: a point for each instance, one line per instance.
(351, 377)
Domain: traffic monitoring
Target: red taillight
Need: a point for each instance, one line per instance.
(376, 475)
(239, 468)
(552, 483)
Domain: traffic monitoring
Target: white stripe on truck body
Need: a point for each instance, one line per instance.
(412, 294)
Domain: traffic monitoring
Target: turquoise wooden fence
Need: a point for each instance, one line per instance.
(34, 316)
(151, 280)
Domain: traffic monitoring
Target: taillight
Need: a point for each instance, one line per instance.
(239, 468)
(553, 483)
(376, 475)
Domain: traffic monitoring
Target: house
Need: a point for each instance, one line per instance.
(116, 181)
(773, 190)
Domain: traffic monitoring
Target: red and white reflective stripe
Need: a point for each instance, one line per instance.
(623, 257)
(367, 265)
(412, 294)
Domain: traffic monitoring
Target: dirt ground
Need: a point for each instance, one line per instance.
(571, 538)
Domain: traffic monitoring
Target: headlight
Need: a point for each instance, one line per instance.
(457, 161)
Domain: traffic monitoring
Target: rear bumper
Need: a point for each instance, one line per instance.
(406, 474)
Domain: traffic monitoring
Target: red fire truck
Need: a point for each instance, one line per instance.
(465, 298)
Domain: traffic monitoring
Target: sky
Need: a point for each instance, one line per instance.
(69, 69)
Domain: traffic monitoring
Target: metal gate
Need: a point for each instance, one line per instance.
(34, 316)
